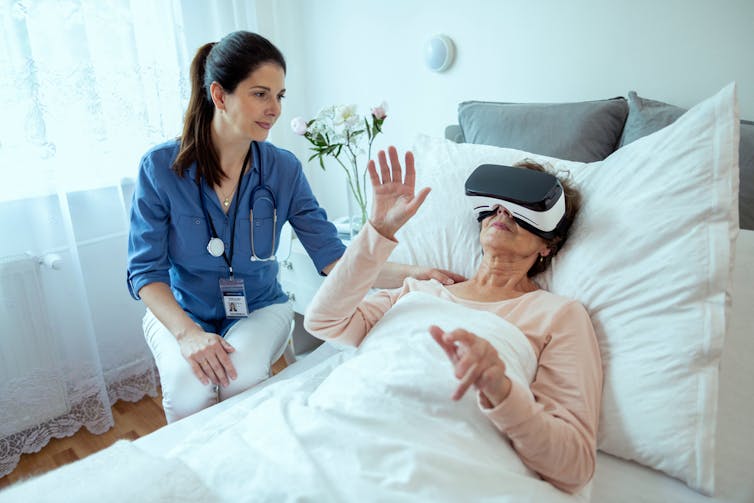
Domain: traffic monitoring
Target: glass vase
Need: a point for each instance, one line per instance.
(357, 214)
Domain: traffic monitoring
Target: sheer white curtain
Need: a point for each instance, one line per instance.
(86, 87)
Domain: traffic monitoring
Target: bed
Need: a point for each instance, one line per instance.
(659, 262)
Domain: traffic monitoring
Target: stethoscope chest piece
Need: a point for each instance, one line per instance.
(216, 247)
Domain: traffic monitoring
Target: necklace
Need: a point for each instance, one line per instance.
(227, 199)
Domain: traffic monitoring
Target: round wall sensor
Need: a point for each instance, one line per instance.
(439, 53)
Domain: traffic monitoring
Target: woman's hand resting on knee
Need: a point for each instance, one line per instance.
(207, 353)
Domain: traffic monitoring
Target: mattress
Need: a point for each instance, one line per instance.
(616, 480)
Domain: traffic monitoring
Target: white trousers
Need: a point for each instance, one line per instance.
(259, 340)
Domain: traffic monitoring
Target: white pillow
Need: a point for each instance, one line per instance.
(650, 257)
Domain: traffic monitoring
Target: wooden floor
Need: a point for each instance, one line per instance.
(132, 420)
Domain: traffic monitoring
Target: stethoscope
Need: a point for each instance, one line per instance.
(215, 246)
(261, 186)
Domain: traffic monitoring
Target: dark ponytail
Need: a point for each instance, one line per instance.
(226, 62)
(196, 140)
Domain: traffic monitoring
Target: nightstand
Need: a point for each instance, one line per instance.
(298, 277)
(300, 281)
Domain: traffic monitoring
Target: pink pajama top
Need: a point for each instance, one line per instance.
(554, 432)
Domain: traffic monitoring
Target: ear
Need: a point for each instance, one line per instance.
(545, 251)
(218, 95)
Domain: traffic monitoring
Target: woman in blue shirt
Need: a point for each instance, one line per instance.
(204, 218)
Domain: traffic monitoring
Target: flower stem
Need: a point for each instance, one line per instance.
(359, 193)
(355, 190)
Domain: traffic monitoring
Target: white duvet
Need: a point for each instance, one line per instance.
(373, 424)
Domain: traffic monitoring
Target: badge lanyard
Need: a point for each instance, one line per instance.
(233, 290)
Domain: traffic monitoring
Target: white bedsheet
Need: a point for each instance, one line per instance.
(374, 424)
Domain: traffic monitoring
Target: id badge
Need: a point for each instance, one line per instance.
(234, 298)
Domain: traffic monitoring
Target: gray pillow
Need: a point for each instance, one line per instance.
(454, 133)
(646, 116)
(584, 131)
(746, 180)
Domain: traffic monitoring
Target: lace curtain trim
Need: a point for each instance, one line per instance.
(89, 412)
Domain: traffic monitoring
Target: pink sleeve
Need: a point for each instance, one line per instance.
(555, 431)
(339, 310)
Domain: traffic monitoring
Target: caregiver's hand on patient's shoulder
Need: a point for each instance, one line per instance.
(475, 361)
(395, 201)
(207, 354)
(442, 275)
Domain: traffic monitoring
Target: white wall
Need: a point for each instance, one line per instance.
(357, 51)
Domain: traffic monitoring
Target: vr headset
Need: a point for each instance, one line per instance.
(534, 198)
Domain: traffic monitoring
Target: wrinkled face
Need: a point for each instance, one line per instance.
(252, 109)
(501, 234)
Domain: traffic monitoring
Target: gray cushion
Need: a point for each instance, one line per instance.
(746, 180)
(646, 116)
(454, 133)
(584, 131)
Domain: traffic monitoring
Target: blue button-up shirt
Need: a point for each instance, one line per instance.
(168, 236)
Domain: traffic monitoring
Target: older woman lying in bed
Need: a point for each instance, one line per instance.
(548, 413)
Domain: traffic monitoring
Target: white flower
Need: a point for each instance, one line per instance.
(345, 115)
(298, 125)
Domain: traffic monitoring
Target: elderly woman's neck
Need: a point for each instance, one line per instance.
(496, 280)
(503, 273)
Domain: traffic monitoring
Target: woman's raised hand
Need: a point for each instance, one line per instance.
(395, 201)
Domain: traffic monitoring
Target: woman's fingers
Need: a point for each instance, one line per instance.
(413, 206)
(397, 171)
(227, 346)
(198, 372)
(409, 178)
(219, 369)
(373, 176)
(459, 336)
(475, 362)
(226, 363)
(384, 169)
(456, 278)
(469, 378)
(477, 350)
(391, 169)
(218, 360)
(441, 275)
(209, 372)
(449, 348)
(395, 201)
(459, 346)
(207, 355)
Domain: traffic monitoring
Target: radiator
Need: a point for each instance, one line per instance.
(32, 389)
